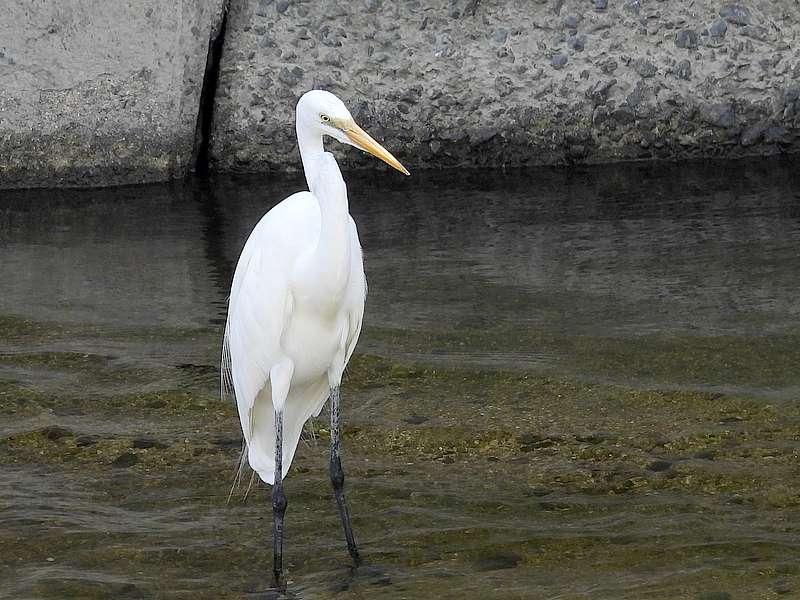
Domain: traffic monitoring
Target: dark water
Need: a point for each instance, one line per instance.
(571, 384)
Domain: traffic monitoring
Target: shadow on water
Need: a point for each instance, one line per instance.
(206, 196)
(570, 384)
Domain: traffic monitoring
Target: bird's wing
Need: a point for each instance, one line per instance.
(260, 302)
(356, 293)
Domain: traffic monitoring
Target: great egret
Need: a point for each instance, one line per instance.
(296, 307)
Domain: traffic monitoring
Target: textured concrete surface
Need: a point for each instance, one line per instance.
(100, 93)
(485, 82)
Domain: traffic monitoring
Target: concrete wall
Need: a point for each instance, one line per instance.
(490, 82)
(100, 92)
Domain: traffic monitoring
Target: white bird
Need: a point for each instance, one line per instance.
(296, 307)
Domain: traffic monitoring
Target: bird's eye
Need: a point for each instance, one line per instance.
(324, 118)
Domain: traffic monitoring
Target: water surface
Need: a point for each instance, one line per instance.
(574, 383)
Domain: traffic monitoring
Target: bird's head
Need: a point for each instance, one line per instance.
(322, 111)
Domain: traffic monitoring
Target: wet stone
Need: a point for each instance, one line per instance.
(554, 506)
(144, 443)
(498, 561)
(125, 460)
(530, 441)
(125, 591)
(416, 420)
(714, 596)
(227, 442)
(781, 587)
(538, 492)
(658, 466)
(68, 411)
(55, 433)
(705, 454)
(593, 438)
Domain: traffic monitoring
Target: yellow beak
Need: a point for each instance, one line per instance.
(361, 139)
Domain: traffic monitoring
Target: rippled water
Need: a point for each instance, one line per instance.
(575, 383)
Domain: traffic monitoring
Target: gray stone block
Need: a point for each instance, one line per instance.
(100, 93)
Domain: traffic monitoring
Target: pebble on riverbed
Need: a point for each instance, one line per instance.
(145, 443)
(125, 460)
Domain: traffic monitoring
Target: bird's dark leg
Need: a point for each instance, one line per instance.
(337, 477)
(278, 502)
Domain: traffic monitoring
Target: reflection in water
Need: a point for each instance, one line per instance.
(499, 306)
(625, 249)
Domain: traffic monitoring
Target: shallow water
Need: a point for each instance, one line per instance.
(571, 384)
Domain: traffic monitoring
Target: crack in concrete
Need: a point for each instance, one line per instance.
(205, 109)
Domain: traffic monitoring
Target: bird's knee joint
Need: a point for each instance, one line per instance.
(279, 502)
(337, 473)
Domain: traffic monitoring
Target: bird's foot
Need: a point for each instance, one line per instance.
(278, 582)
(361, 573)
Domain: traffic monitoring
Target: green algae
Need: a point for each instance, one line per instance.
(500, 473)
(55, 360)
(708, 361)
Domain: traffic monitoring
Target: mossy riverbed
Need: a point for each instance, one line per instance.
(463, 481)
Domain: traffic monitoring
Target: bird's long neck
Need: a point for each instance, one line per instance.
(328, 265)
(310, 144)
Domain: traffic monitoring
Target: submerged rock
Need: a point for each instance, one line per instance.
(144, 443)
(55, 433)
(85, 441)
(659, 465)
(714, 596)
(506, 560)
(416, 420)
(125, 460)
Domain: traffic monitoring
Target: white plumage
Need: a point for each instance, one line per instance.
(283, 309)
(295, 311)
(298, 293)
